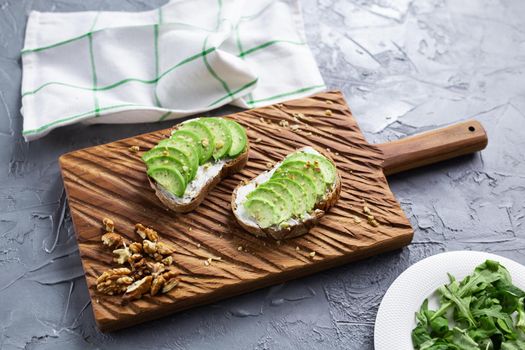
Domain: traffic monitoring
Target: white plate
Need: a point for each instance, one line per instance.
(396, 315)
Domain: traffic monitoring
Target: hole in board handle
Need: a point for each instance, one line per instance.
(471, 129)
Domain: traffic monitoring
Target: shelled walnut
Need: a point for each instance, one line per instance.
(114, 281)
(113, 240)
(146, 265)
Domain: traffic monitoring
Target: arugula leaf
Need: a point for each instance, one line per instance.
(513, 345)
(463, 340)
(521, 315)
(488, 313)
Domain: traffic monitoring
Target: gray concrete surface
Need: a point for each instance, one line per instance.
(404, 66)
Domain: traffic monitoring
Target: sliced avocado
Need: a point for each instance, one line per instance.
(207, 140)
(308, 169)
(239, 138)
(187, 146)
(189, 136)
(169, 178)
(173, 153)
(306, 183)
(282, 204)
(299, 197)
(285, 193)
(171, 161)
(221, 133)
(326, 167)
(262, 211)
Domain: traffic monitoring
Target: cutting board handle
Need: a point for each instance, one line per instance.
(433, 146)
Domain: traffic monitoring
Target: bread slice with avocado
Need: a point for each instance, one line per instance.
(200, 152)
(288, 200)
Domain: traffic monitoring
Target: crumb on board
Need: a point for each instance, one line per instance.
(369, 217)
(134, 149)
(284, 123)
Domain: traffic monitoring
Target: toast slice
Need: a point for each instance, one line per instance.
(183, 169)
(175, 204)
(295, 226)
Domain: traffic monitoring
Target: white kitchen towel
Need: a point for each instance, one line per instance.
(186, 57)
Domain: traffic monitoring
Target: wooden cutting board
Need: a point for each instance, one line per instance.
(110, 181)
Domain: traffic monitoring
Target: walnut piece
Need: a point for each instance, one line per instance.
(135, 248)
(109, 226)
(157, 257)
(156, 268)
(141, 230)
(114, 281)
(112, 240)
(157, 284)
(164, 249)
(167, 260)
(121, 255)
(151, 234)
(138, 288)
(149, 246)
(169, 285)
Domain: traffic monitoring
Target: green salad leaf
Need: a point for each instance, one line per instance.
(484, 311)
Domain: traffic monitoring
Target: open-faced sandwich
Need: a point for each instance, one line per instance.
(289, 199)
(200, 152)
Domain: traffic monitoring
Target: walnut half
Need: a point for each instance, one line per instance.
(114, 281)
(113, 240)
(147, 233)
(138, 288)
(169, 285)
(121, 255)
(157, 284)
(109, 226)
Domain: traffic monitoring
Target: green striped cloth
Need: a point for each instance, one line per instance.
(186, 57)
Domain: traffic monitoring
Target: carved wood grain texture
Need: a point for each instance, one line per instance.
(110, 181)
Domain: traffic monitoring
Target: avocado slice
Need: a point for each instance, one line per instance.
(206, 138)
(221, 133)
(190, 137)
(284, 192)
(308, 169)
(282, 204)
(239, 138)
(186, 145)
(263, 211)
(163, 160)
(172, 153)
(299, 197)
(169, 178)
(306, 183)
(326, 167)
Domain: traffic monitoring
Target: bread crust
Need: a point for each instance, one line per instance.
(303, 227)
(231, 167)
